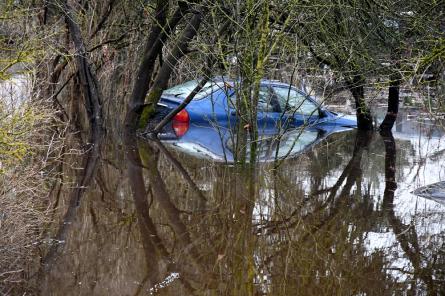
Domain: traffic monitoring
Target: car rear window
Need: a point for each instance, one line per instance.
(183, 90)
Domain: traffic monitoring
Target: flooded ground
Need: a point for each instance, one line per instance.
(337, 219)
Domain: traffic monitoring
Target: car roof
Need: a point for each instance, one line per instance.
(262, 81)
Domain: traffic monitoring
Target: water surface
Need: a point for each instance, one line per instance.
(337, 219)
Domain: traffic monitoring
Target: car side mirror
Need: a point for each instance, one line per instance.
(321, 113)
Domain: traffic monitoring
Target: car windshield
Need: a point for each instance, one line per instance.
(294, 102)
(185, 89)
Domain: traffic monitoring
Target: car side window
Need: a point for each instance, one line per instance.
(267, 101)
(294, 102)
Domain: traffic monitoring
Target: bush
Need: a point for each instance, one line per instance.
(28, 146)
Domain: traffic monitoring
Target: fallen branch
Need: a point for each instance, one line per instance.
(181, 106)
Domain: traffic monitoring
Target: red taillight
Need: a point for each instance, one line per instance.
(182, 116)
(181, 122)
(180, 128)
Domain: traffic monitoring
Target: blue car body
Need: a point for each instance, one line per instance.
(214, 104)
(284, 113)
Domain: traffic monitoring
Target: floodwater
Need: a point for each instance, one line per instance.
(337, 219)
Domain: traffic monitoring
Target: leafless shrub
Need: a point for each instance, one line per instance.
(30, 144)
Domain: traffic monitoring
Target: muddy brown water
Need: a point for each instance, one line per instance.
(339, 219)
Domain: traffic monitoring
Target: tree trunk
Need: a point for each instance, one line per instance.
(393, 102)
(161, 80)
(364, 118)
(91, 94)
(158, 36)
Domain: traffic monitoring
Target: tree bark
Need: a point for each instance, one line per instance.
(153, 48)
(173, 58)
(393, 102)
(108, 8)
(87, 78)
(180, 49)
(364, 118)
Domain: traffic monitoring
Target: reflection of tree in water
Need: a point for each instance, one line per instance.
(322, 241)
(97, 226)
(162, 256)
(428, 268)
(318, 248)
(300, 229)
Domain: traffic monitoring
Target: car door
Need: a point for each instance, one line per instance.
(269, 109)
(298, 108)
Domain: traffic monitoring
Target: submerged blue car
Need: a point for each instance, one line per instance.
(279, 105)
(289, 121)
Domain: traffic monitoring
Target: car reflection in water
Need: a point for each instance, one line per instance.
(218, 143)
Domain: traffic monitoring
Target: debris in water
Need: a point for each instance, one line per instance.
(434, 192)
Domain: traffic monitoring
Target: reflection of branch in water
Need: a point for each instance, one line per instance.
(423, 141)
(406, 234)
(148, 232)
(90, 161)
(156, 255)
(352, 169)
(92, 99)
(161, 194)
(159, 261)
(181, 169)
(335, 202)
